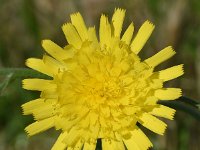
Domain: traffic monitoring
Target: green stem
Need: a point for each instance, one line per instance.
(181, 105)
(22, 73)
(189, 101)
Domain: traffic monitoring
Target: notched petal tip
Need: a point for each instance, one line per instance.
(75, 14)
(24, 83)
(72, 35)
(168, 93)
(27, 62)
(120, 9)
(32, 62)
(150, 24)
(160, 57)
(171, 73)
(45, 41)
(182, 69)
(79, 23)
(22, 109)
(40, 126)
(64, 25)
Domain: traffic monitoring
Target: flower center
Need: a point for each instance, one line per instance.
(111, 89)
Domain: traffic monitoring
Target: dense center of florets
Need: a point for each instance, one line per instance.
(109, 89)
(105, 90)
(103, 77)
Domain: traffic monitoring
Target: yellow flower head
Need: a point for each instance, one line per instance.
(100, 89)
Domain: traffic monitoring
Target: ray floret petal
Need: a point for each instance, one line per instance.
(100, 89)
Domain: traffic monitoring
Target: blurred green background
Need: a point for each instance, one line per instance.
(24, 23)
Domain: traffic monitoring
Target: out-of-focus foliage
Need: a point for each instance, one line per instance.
(24, 23)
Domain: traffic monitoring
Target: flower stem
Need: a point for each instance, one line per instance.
(184, 104)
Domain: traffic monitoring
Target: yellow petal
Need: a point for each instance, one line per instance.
(78, 146)
(29, 107)
(89, 146)
(128, 34)
(92, 69)
(60, 145)
(56, 51)
(151, 100)
(40, 126)
(141, 139)
(78, 22)
(171, 73)
(105, 110)
(38, 84)
(92, 35)
(117, 21)
(168, 93)
(73, 137)
(163, 111)
(53, 65)
(49, 94)
(112, 145)
(115, 71)
(142, 36)
(104, 31)
(44, 111)
(131, 144)
(160, 57)
(71, 35)
(38, 64)
(152, 123)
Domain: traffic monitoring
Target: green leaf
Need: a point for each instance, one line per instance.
(5, 83)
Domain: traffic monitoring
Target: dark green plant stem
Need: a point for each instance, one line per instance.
(189, 101)
(99, 145)
(22, 73)
(180, 105)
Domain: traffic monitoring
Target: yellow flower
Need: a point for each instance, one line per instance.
(100, 89)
